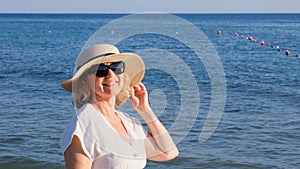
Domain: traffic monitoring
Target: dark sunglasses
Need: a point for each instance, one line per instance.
(101, 70)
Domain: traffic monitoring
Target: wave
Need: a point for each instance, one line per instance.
(13, 162)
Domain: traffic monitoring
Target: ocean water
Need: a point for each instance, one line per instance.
(260, 126)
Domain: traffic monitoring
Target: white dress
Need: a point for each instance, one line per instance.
(102, 144)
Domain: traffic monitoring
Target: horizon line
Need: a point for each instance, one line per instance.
(149, 13)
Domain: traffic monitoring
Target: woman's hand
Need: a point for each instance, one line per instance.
(139, 98)
(139, 101)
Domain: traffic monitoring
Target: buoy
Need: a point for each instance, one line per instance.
(278, 48)
(262, 43)
(287, 52)
(219, 32)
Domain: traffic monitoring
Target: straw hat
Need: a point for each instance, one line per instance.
(101, 53)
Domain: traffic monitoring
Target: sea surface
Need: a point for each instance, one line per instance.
(260, 125)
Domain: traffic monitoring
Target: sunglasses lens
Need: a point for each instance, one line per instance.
(117, 67)
(101, 73)
(102, 70)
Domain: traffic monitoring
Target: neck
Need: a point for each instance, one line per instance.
(106, 108)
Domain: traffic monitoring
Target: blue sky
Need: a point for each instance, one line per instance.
(139, 6)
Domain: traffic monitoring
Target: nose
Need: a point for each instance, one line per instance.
(110, 74)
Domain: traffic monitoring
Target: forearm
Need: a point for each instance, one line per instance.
(158, 132)
(159, 144)
(161, 136)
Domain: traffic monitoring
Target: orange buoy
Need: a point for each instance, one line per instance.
(250, 38)
(288, 53)
(262, 43)
(219, 32)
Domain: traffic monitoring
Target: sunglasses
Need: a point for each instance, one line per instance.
(101, 70)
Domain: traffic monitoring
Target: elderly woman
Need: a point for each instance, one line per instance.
(100, 136)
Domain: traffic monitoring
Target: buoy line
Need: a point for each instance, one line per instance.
(262, 43)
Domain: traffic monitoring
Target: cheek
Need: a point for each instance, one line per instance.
(121, 81)
(96, 84)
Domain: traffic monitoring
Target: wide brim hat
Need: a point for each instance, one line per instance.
(102, 53)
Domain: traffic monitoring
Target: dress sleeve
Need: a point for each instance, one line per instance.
(74, 128)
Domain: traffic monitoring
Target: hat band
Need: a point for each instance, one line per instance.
(102, 55)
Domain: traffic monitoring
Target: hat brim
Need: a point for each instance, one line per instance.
(134, 68)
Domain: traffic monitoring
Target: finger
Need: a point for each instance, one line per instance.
(137, 87)
(142, 86)
(131, 91)
(133, 98)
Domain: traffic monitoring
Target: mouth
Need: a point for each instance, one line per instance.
(110, 84)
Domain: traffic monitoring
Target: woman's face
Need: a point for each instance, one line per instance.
(108, 86)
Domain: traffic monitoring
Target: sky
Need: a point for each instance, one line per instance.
(145, 6)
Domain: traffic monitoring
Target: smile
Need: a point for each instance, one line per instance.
(109, 84)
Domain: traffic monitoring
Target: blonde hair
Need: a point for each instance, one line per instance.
(83, 92)
(124, 93)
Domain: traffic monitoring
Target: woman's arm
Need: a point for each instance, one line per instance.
(159, 144)
(75, 158)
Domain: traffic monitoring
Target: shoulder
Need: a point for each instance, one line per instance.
(68, 133)
(74, 128)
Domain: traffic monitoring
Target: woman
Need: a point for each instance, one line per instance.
(100, 136)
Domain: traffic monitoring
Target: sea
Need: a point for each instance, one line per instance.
(257, 119)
